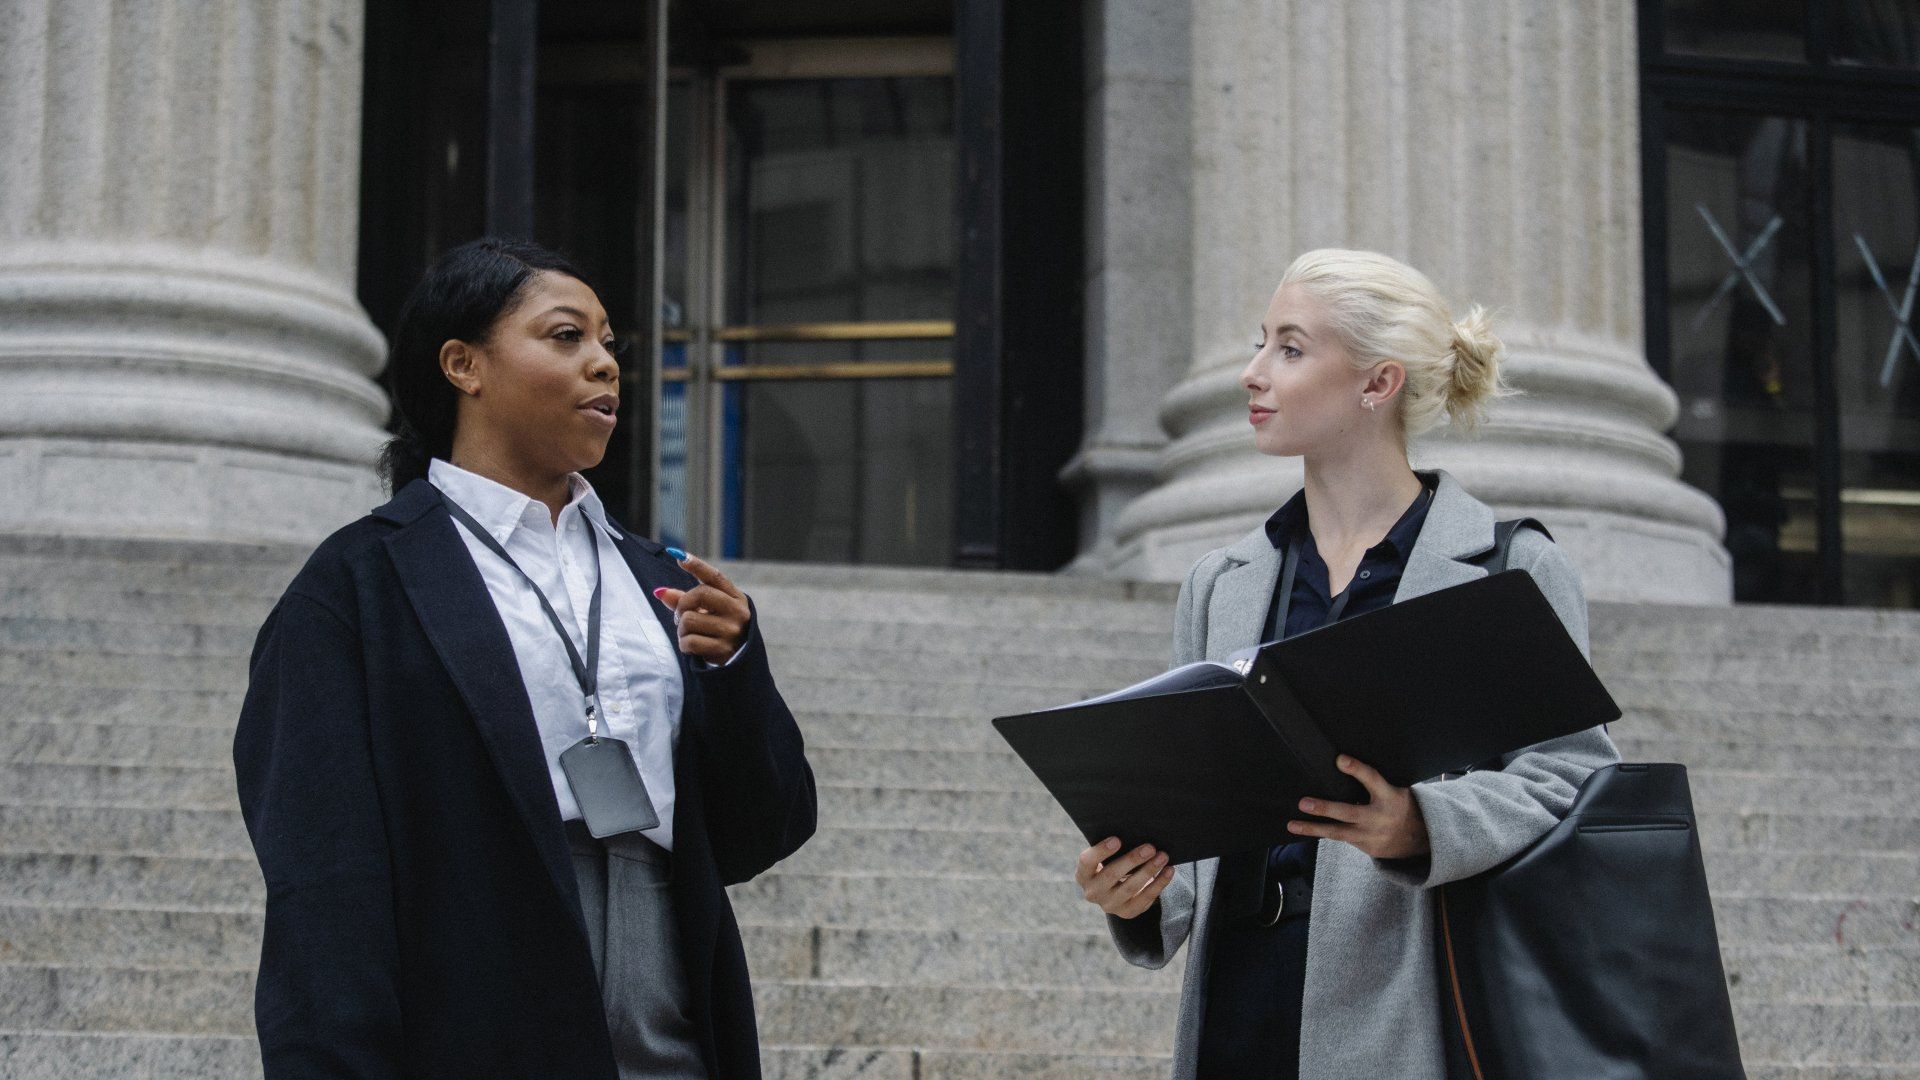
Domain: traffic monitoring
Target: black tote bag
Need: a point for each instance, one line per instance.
(1593, 954)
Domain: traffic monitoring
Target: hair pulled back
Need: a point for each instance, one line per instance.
(462, 295)
(1383, 309)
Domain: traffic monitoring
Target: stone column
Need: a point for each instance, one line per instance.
(181, 353)
(1494, 145)
(1139, 225)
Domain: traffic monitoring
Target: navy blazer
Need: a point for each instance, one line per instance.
(422, 915)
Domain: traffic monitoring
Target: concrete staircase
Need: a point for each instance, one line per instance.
(931, 930)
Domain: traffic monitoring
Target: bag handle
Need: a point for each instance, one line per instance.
(1502, 546)
(1503, 541)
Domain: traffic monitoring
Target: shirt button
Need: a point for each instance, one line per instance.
(1366, 573)
(573, 526)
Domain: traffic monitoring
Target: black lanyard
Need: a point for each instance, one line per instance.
(1291, 564)
(588, 670)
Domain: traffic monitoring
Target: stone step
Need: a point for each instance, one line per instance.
(77, 668)
(50, 1055)
(254, 583)
(883, 1063)
(1849, 1071)
(1036, 960)
(1753, 920)
(184, 787)
(1648, 619)
(967, 614)
(976, 1018)
(1809, 726)
(875, 733)
(212, 658)
(1694, 648)
(990, 662)
(211, 785)
(51, 935)
(1770, 756)
(1886, 975)
(1828, 1034)
(202, 883)
(1764, 899)
(1029, 821)
(32, 560)
(879, 692)
(180, 638)
(122, 830)
(131, 706)
(903, 852)
(143, 621)
(1749, 742)
(147, 706)
(131, 609)
(1034, 815)
(1737, 633)
(935, 903)
(82, 743)
(1770, 664)
(906, 665)
(40, 997)
(1818, 971)
(216, 598)
(68, 1055)
(1025, 959)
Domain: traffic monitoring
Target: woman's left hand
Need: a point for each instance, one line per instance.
(712, 616)
(1387, 826)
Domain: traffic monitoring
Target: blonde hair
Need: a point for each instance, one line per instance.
(1383, 309)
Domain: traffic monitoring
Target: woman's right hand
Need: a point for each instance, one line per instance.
(1123, 886)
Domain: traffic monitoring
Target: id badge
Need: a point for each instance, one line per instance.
(607, 786)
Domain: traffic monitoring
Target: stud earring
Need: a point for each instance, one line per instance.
(1367, 403)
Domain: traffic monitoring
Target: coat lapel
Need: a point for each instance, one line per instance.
(1458, 528)
(1237, 609)
(448, 594)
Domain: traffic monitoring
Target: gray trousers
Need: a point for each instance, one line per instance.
(628, 906)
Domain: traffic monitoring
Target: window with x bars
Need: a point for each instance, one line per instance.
(1783, 257)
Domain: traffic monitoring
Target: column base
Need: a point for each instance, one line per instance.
(154, 490)
(150, 390)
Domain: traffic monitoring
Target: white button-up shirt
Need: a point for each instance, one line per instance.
(639, 677)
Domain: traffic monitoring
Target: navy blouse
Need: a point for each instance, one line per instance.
(1371, 588)
(1257, 974)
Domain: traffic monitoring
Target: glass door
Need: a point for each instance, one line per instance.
(807, 321)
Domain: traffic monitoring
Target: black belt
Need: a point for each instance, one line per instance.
(1288, 897)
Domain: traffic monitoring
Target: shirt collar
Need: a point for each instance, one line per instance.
(500, 509)
(1400, 538)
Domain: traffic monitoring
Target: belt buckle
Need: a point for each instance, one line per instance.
(1279, 903)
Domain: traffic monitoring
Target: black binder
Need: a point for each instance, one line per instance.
(1213, 758)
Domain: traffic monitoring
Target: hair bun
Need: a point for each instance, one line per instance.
(1473, 371)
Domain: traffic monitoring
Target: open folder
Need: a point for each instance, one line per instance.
(1214, 757)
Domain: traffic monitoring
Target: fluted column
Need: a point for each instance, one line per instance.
(181, 353)
(1494, 145)
(1137, 273)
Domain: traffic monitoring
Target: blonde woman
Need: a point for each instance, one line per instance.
(1317, 958)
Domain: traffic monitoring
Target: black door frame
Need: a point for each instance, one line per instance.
(1823, 93)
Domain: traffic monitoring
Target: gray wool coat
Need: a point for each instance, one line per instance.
(1372, 1007)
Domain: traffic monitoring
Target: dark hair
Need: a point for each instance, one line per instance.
(463, 293)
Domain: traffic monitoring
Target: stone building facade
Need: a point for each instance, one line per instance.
(183, 182)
